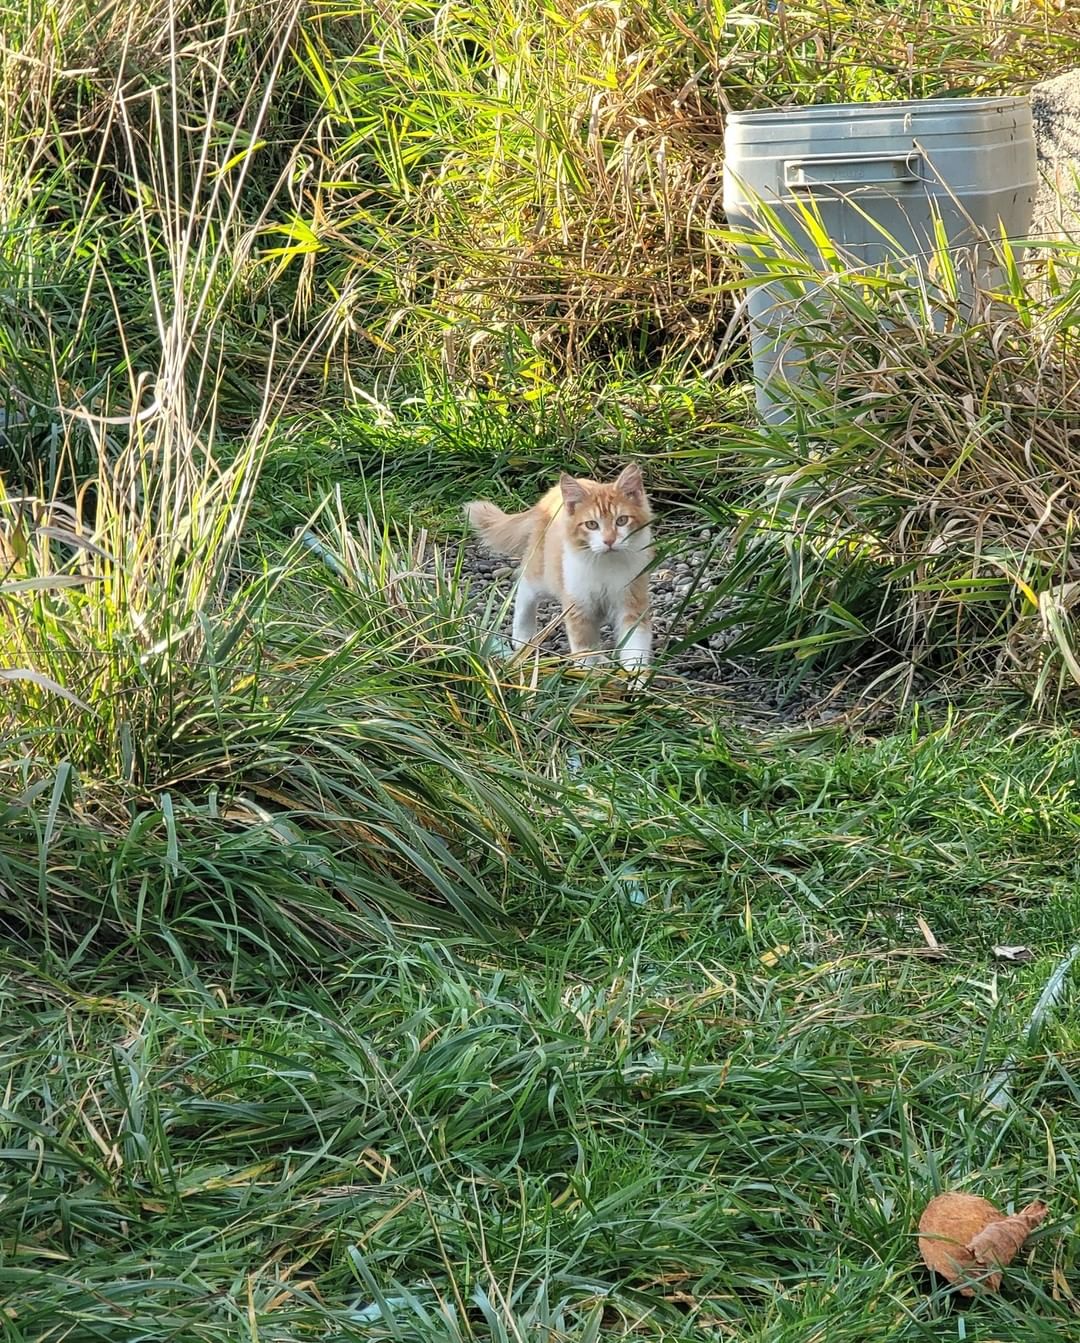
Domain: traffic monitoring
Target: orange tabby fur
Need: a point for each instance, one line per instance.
(588, 545)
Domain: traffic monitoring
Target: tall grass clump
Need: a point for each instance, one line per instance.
(115, 118)
(516, 189)
(921, 512)
(194, 765)
(140, 544)
(500, 190)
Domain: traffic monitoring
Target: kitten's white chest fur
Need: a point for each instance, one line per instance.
(597, 580)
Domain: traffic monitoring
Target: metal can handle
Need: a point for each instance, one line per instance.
(852, 170)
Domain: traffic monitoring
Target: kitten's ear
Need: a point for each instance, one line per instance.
(630, 482)
(573, 492)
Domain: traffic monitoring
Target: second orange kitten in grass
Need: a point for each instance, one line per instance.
(589, 546)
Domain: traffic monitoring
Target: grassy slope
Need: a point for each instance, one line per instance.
(719, 1109)
(696, 1080)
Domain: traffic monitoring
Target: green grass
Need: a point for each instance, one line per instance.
(417, 461)
(353, 984)
(714, 1113)
(390, 995)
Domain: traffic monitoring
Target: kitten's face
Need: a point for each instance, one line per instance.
(606, 518)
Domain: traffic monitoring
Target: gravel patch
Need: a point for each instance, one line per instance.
(689, 566)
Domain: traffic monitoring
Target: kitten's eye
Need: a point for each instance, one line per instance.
(621, 522)
(592, 524)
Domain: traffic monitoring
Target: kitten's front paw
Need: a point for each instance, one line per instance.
(635, 662)
(495, 646)
(637, 677)
(630, 660)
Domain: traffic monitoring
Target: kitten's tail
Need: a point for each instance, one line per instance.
(507, 533)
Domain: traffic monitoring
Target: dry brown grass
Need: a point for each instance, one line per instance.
(926, 510)
(553, 170)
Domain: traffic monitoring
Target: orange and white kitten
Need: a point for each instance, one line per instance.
(588, 545)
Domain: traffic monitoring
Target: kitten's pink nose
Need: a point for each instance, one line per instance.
(609, 541)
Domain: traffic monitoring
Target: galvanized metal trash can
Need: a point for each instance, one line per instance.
(869, 170)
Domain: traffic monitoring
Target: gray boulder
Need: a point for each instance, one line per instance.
(1055, 106)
